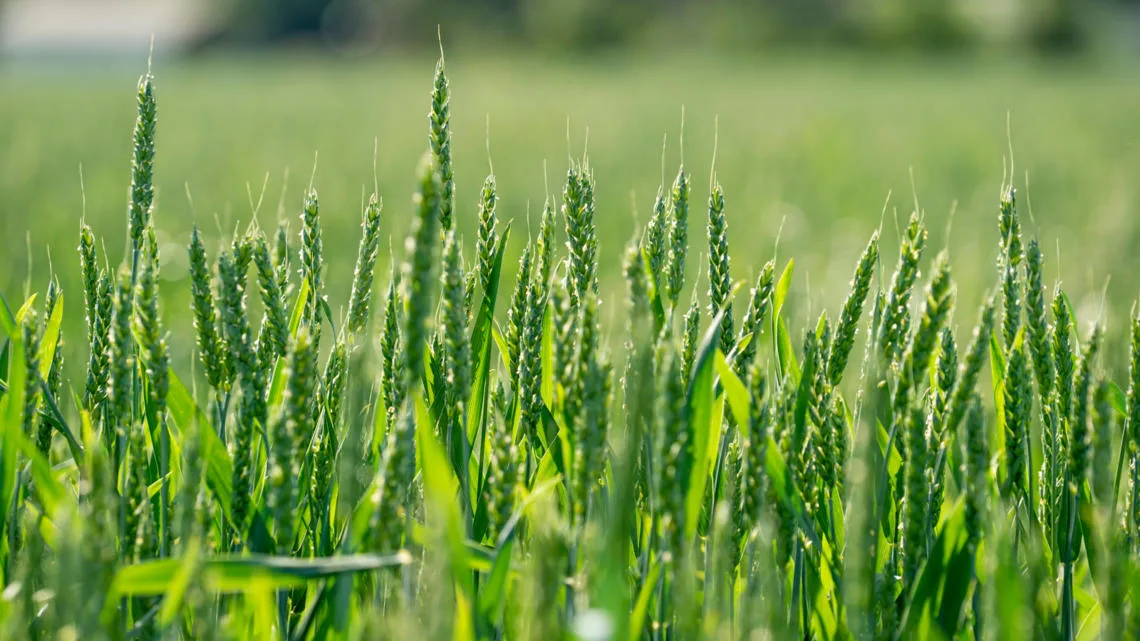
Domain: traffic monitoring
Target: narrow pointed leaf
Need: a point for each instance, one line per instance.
(231, 574)
(700, 402)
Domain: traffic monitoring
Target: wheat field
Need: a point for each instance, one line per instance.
(532, 427)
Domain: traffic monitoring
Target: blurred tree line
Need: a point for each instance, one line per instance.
(589, 24)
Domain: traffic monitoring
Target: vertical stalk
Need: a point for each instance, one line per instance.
(1068, 606)
(164, 489)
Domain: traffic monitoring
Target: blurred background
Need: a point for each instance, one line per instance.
(827, 117)
(565, 25)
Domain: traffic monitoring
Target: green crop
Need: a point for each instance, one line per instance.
(472, 465)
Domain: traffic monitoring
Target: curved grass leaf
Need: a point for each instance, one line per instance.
(232, 574)
(47, 487)
(51, 338)
(323, 304)
(803, 397)
(789, 495)
(23, 311)
(481, 338)
(781, 342)
(735, 393)
(939, 594)
(551, 437)
(441, 489)
(501, 343)
(11, 425)
(822, 587)
(50, 412)
(1116, 399)
(700, 410)
(894, 459)
(7, 320)
(1091, 626)
(742, 344)
(179, 584)
(786, 354)
(540, 490)
(837, 520)
(357, 525)
(277, 384)
(997, 376)
(641, 605)
(219, 467)
(494, 590)
(782, 287)
(1087, 532)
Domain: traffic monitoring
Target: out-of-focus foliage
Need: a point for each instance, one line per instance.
(805, 144)
(590, 24)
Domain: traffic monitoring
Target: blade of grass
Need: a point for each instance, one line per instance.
(234, 574)
(700, 402)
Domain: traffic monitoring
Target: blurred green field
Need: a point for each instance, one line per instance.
(811, 147)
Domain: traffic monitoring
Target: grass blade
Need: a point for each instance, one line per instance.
(235, 574)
